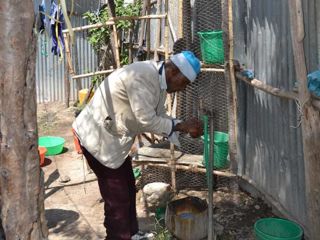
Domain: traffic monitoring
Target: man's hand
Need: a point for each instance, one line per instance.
(192, 126)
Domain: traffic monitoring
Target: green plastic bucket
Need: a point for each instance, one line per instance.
(211, 44)
(220, 150)
(54, 145)
(277, 229)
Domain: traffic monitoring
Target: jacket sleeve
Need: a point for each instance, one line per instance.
(144, 97)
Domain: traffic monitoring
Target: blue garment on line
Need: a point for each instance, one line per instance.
(56, 14)
(314, 83)
(42, 16)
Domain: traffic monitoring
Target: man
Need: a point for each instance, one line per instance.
(129, 102)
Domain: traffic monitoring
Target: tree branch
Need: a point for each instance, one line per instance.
(267, 88)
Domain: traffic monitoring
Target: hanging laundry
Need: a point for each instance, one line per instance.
(56, 26)
(41, 20)
(42, 17)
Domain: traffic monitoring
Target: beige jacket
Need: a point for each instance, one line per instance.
(126, 103)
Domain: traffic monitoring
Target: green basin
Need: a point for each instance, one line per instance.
(53, 144)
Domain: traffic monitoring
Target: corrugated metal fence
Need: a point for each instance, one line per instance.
(50, 70)
(271, 154)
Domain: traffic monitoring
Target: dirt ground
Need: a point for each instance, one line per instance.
(74, 208)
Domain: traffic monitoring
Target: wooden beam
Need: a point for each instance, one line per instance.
(92, 74)
(310, 121)
(267, 88)
(111, 21)
(212, 70)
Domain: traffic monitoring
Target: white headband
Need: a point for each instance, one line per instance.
(184, 66)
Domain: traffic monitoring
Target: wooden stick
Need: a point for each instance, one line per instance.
(142, 24)
(131, 30)
(148, 29)
(158, 32)
(66, 85)
(180, 19)
(92, 74)
(116, 45)
(212, 70)
(68, 54)
(173, 33)
(166, 32)
(192, 168)
(111, 21)
(310, 121)
(267, 88)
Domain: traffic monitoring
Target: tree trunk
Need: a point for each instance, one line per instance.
(22, 208)
(310, 121)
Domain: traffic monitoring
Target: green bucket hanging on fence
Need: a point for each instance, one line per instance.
(220, 149)
(211, 44)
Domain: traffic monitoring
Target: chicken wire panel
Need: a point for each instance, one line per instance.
(207, 95)
(184, 178)
(210, 87)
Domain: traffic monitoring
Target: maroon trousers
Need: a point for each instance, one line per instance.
(117, 188)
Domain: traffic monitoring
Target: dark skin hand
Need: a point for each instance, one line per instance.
(192, 126)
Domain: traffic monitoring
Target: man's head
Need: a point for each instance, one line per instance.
(181, 69)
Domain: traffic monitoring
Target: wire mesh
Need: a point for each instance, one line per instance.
(210, 87)
(185, 179)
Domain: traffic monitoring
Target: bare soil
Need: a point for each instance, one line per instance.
(74, 208)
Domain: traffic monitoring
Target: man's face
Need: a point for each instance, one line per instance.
(178, 83)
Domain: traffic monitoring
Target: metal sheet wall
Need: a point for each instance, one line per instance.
(270, 142)
(50, 70)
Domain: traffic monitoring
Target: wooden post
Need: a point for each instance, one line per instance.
(68, 69)
(116, 45)
(142, 24)
(68, 53)
(166, 31)
(131, 30)
(310, 121)
(180, 19)
(76, 66)
(114, 36)
(234, 99)
(148, 28)
(158, 37)
(169, 98)
(66, 85)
